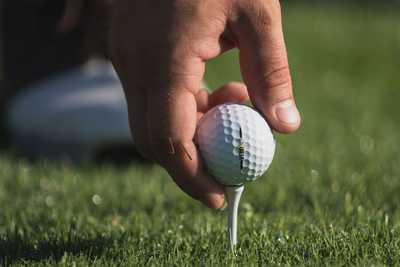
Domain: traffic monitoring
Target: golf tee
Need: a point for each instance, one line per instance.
(233, 194)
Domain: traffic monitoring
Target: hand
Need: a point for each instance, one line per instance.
(159, 49)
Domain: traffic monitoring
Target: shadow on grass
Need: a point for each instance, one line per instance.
(118, 157)
(15, 249)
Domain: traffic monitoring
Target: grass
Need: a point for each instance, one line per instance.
(331, 196)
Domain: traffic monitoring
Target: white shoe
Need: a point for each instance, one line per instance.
(76, 114)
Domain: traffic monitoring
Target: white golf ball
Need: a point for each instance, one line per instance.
(236, 143)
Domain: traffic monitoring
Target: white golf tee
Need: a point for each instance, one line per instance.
(233, 194)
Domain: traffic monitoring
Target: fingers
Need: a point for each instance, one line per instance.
(138, 118)
(231, 92)
(136, 97)
(234, 92)
(264, 63)
(161, 75)
(184, 164)
(173, 124)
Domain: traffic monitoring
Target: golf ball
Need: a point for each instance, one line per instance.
(236, 143)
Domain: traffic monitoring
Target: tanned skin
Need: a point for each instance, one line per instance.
(159, 49)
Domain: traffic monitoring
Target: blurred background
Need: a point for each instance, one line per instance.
(35, 48)
(337, 178)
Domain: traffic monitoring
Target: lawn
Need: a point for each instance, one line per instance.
(331, 196)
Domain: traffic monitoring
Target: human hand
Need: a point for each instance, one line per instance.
(159, 49)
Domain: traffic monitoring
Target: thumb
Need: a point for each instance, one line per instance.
(264, 63)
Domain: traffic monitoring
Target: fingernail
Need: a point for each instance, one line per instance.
(287, 112)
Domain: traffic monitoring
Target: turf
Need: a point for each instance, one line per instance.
(331, 196)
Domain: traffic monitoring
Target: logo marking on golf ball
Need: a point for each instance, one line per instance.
(241, 149)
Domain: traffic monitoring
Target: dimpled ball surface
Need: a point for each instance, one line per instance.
(236, 143)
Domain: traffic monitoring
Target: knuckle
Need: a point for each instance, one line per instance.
(261, 13)
(277, 79)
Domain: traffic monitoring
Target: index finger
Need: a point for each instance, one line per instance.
(172, 127)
